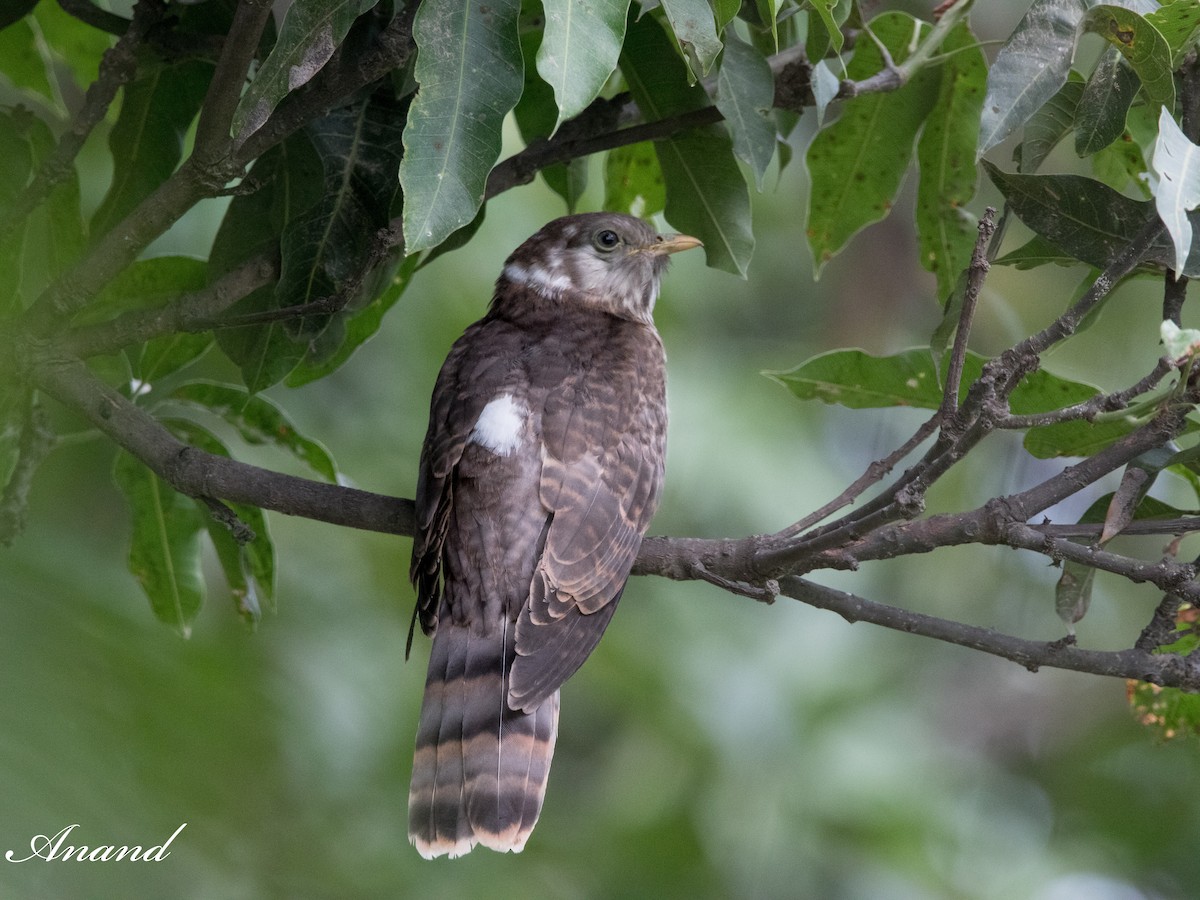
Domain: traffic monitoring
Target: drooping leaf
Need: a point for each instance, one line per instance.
(1029, 69)
(359, 326)
(469, 72)
(726, 11)
(706, 194)
(633, 181)
(946, 229)
(833, 14)
(1122, 166)
(248, 565)
(1143, 47)
(537, 115)
(1087, 219)
(745, 91)
(258, 420)
(147, 141)
(1100, 116)
(291, 182)
(858, 163)
(696, 31)
(311, 32)
(825, 87)
(25, 65)
(1177, 162)
(1073, 593)
(164, 555)
(359, 146)
(580, 46)
(1049, 124)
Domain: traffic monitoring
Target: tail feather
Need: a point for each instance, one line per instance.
(480, 768)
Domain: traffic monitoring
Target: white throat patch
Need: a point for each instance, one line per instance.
(550, 284)
(499, 425)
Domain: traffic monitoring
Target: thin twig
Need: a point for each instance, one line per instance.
(976, 275)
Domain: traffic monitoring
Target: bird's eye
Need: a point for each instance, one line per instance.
(606, 240)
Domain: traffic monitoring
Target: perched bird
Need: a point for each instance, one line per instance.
(541, 468)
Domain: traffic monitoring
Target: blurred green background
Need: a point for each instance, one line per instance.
(712, 747)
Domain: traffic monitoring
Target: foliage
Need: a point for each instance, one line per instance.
(356, 142)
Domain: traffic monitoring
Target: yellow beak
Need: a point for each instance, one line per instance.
(673, 243)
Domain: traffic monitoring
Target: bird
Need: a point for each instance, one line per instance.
(540, 471)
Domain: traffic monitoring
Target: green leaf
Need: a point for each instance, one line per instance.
(725, 11)
(25, 65)
(1179, 23)
(291, 182)
(833, 13)
(360, 326)
(76, 47)
(706, 194)
(149, 283)
(469, 72)
(536, 115)
(53, 236)
(1049, 124)
(580, 47)
(1087, 219)
(147, 141)
(165, 552)
(1177, 191)
(249, 566)
(696, 30)
(858, 163)
(1029, 69)
(259, 421)
(1122, 166)
(1037, 251)
(857, 380)
(311, 32)
(745, 92)
(1100, 116)
(946, 229)
(633, 181)
(359, 147)
(1143, 47)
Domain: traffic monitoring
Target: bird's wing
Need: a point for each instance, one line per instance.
(602, 466)
(474, 369)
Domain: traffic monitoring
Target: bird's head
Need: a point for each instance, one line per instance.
(605, 261)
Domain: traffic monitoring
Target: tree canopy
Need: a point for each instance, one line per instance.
(227, 233)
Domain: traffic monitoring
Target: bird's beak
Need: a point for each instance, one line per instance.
(673, 243)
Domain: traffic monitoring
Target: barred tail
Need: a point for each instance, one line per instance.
(480, 768)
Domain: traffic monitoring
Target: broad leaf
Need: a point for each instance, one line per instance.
(1143, 47)
(633, 181)
(696, 31)
(857, 163)
(1087, 219)
(1048, 125)
(249, 566)
(536, 115)
(1179, 23)
(311, 32)
(1177, 192)
(1100, 116)
(945, 228)
(706, 193)
(291, 180)
(1037, 251)
(26, 65)
(745, 91)
(1029, 69)
(453, 134)
(259, 421)
(165, 550)
(157, 110)
(833, 13)
(580, 46)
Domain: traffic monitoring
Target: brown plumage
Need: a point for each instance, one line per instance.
(541, 468)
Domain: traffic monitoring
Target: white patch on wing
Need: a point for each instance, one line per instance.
(499, 425)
